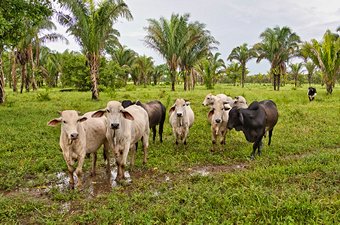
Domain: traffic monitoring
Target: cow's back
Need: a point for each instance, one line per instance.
(271, 113)
(140, 124)
(95, 129)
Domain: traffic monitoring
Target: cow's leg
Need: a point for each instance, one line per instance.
(213, 139)
(133, 155)
(154, 133)
(94, 162)
(256, 145)
(70, 170)
(79, 170)
(175, 134)
(223, 134)
(270, 136)
(106, 152)
(145, 140)
(119, 163)
(186, 133)
(160, 131)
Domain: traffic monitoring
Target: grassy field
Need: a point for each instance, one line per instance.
(295, 181)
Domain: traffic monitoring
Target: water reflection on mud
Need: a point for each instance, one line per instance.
(98, 184)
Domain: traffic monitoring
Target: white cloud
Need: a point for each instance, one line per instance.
(232, 22)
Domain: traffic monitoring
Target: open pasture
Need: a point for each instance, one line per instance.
(296, 180)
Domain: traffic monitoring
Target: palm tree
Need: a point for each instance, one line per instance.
(167, 38)
(242, 54)
(125, 58)
(211, 68)
(234, 71)
(326, 56)
(91, 25)
(295, 70)
(198, 44)
(278, 46)
(144, 67)
(310, 67)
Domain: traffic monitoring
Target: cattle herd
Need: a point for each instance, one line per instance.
(121, 125)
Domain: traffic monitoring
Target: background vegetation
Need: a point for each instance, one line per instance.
(296, 180)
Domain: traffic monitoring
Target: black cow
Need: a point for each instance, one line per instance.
(156, 111)
(311, 93)
(254, 122)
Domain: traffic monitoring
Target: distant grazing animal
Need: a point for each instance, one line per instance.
(210, 98)
(254, 121)
(181, 118)
(218, 116)
(81, 135)
(240, 102)
(311, 93)
(156, 112)
(125, 127)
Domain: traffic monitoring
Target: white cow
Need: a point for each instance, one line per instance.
(240, 102)
(210, 99)
(181, 119)
(125, 127)
(81, 135)
(218, 116)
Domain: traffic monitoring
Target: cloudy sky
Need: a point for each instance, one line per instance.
(231, 22)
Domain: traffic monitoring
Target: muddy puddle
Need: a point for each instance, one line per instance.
(210, 169)
(94, 185)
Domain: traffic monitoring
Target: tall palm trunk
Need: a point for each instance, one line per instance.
(2, 80)
(14, 71)
(243, 74)
(173, 79)
(24, 78)
(94, 66)
(30, 56)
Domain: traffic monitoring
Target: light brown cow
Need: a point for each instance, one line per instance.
(181, 119)
(125, 127)
(81, 135)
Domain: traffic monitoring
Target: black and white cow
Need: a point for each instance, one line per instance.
(254, 122)
(311, 93)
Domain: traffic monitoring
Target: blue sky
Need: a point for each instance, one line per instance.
(231, 22)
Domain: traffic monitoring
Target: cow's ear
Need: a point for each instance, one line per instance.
(226, 107)
(82, 119)
(210, 114)
(54, 122)
(127, 115)
(240, 116)
(99, 113)
(172, 109)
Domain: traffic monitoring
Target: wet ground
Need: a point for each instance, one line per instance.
(103, 183)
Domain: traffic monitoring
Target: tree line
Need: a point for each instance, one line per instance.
(187, 47)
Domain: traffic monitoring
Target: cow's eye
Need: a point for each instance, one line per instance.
(107, 110)
(184, 104)
(64, 122)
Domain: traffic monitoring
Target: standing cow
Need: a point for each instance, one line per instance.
(156, 112)
(218, 117)
(181, 119)
(311, 93)
(125, 127)
(81, 135)
(254, 121)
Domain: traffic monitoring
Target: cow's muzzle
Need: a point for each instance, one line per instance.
(114, 126)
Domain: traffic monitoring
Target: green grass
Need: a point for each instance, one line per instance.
(295, 181)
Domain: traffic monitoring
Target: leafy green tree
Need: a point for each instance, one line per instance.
(92, 26)
(242, 54)
(234, 72)
(310, 67)
(143, 66)
(295, 70)
(278, 45)
(326, 55)
(198, 44)
(210, 69)
(13, 26)
(75, 71)
(125, 58)
(166, 37)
